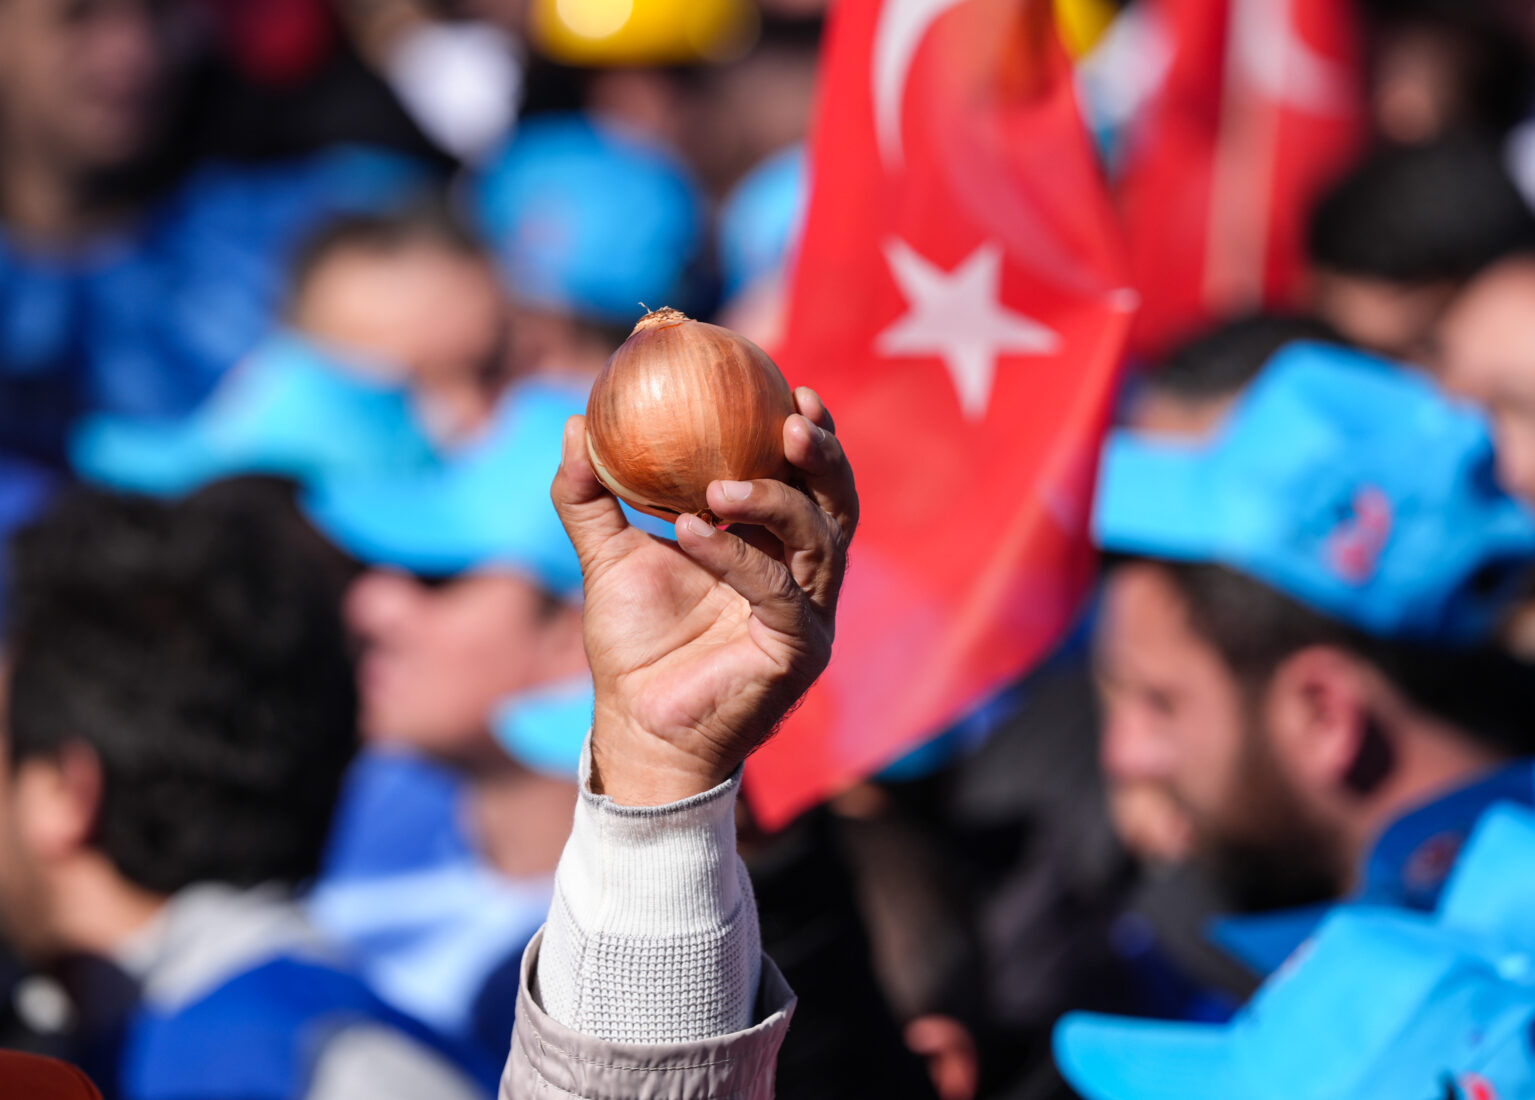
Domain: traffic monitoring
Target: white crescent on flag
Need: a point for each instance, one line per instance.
(1273, 55)
(902, 26)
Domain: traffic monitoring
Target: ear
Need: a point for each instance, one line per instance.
(1317, 709)
(58, 799)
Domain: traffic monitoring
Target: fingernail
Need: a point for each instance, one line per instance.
(735, 490)
(698, 527)
(817, 432)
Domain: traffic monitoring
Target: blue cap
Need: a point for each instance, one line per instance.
(1491, 892)
(1379, 1004)
(591, 220)
(290, 408)
(1348, 484)
(487, 508)
(762, 217)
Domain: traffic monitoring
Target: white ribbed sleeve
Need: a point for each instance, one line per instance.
(652, 936)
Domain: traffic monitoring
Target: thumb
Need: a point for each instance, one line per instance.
(591, 515)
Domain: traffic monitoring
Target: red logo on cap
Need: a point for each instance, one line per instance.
(1474, 1086)
(1432, 861)
(1354, 548)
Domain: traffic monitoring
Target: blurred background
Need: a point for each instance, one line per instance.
(313, 284)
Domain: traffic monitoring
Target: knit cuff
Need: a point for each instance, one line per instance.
(652, 870)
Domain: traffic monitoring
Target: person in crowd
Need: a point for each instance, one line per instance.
(1440, 66)
(1094, 902)
(1190, 391)
(1189, 394)
(1486, 352)
(129, 281)
(1314, 678)
(651, 962)
(413, 294)
(393, 354)
(180, 714)
(1343, 737)
(1394, 241)
(475, 701)
(747, 110)
(580, 255)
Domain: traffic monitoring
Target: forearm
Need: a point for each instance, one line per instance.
(653, 935)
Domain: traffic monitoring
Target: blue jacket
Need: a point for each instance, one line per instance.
(261, 1035)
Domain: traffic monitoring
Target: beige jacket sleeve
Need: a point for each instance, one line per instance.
(549, 1060)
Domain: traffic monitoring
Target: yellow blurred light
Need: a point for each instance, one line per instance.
(1083, 22)
(642, 32)
(594, 18)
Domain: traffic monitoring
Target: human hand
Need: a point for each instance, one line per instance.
(699, 648)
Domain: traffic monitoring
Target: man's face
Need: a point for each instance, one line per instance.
(1487, 354)
(1176, 720)
(437, 316)
(1392, 319)
(437, 659)
(82, 81)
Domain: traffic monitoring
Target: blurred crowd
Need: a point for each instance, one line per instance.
(295, 299)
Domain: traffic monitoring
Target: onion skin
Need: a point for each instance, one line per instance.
(682, 403)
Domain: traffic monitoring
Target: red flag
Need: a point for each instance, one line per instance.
(1258, 108)
(959, 302)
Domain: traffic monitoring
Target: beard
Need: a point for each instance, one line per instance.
(1270, 850)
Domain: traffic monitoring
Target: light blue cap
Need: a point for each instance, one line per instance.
(1379, 1004)
(762, 217)
(290, 408)
(590, 219)
(545, 729)
(1491, 892)
(488, 507)
(1347, 483)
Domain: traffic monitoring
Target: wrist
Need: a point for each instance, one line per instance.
(634, 767)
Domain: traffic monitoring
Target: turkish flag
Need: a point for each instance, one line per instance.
(959, 301)
(1259, 106)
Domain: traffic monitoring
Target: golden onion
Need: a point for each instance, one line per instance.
(682, 403)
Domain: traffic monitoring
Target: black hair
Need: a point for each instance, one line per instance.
(1220, 361)
(1437, 211)
(197, 649)
(1255, 628)
(431, 220)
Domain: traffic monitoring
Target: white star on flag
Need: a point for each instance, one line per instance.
(958, 316)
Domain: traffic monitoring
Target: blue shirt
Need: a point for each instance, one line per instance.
(436, 930)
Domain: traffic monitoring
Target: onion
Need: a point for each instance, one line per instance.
(682, 403)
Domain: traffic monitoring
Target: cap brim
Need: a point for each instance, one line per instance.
(1113, 1058)
(1263, 941)
(1154, 499)
(142, 457)
(1490, 891)
(410, 525)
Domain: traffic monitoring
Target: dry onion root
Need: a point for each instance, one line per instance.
(682, 403)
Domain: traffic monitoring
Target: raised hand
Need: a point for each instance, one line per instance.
(699, 648)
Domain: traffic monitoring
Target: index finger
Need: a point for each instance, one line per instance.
(813, 449)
